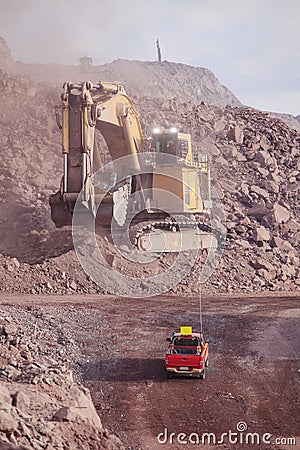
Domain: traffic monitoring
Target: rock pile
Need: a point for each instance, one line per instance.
(41, 406)
(255, 163)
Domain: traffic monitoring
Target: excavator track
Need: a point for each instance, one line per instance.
(165, 237)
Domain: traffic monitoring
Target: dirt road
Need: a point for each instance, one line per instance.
(253, 375)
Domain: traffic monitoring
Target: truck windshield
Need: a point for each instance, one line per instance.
(186, 346)
(183, 342)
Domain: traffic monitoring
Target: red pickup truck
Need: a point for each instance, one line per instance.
(187, 354)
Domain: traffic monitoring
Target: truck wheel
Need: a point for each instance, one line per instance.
(206, 363)
(169, 375)
(202, 375)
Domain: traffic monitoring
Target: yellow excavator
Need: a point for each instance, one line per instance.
(154, 171)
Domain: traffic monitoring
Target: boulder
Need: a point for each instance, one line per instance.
(281, 214)
(75, 414)
(278, 215)
(21, 401)
(5, 399)
(288, 270)
(240, 157)
(210, 148)
(274, 176)
(291, 226)
(73, 285)
(67, 414)
(219, 125)
(250, 155)
(276, 241)
(15, 263)
(259, 191)
(258, 211)
(268, 276)
(255, 146)
(272, 163)
(80, 408)
(254, 165)
(7, 423)
(243, 243)
(260, 263)
(10, 266)
(271, 186)
(244, 189)
(261, 234)
(241, 230)
(262, 157)
(286, 246)
(230, 152)
(264, 144)
(236, 134)
(264, 172)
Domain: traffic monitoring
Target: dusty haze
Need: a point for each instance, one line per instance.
(252, 46)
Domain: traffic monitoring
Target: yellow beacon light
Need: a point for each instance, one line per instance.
(186, 330)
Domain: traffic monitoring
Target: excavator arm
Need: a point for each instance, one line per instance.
(85, 107)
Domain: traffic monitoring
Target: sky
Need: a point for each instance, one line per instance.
(252, 46)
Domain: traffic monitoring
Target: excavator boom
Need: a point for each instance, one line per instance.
(85, 107)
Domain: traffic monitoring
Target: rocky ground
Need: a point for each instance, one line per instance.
(255, 169)
(41, 406)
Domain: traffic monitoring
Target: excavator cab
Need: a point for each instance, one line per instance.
(173, 143)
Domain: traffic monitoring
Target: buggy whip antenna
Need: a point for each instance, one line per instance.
(200, 308)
